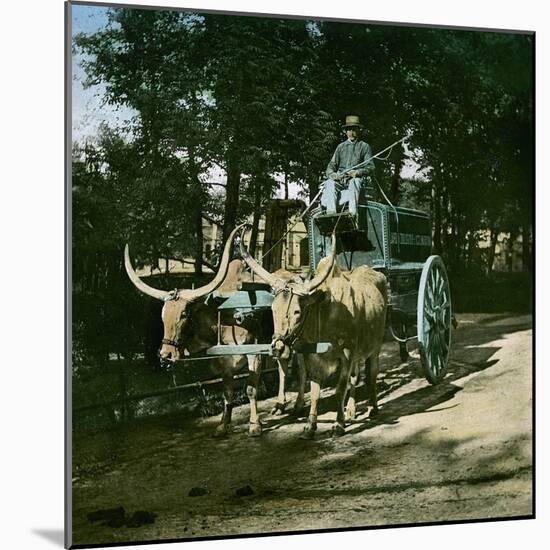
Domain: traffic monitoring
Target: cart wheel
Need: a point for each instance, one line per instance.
(434, 319)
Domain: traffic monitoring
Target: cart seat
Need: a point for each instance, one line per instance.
(342, 221)
(350, 236)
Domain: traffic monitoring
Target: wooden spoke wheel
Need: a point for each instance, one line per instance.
(434, 317)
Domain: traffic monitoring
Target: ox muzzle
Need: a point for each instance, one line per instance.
(280, 347)
(168, 353)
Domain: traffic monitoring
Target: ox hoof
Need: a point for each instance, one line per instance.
(308, 433)
(255, 430)
(338, 430)
(278, 409)
(350, 413)
(222, 430)
(298, 408)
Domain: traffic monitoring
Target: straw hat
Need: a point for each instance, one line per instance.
(352, 121)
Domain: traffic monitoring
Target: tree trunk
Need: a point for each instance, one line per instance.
(436, 211)
(256, 219)
(492, 246)
(472, 245)
(525, 247)
(444, 220)
(231, 197)
(199, 241)
(462, 241)
(197, 215)
(510, 250)
(455, 230)
(396, 177)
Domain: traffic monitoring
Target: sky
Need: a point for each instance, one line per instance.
(89, 111)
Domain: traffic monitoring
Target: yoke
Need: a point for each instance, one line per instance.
(248, 304)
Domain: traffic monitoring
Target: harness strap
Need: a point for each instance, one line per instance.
(291, 338)
(169, 342)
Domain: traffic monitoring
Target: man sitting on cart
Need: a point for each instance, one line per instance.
(343, 185)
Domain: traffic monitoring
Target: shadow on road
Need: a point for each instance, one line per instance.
(157, 462)
(472, 352)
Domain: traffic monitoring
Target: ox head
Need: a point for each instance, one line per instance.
(179, 303)
(292, 300)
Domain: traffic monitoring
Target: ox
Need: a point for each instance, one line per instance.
(190, 323)
(347, 309)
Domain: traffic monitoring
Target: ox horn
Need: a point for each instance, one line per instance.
(325, 270)
(220, 275)
(184, 292)
(264, 274)
(140, 285)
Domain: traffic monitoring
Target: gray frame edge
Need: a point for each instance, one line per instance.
(68, 277)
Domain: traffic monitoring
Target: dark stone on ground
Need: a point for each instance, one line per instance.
(116, 522)
(141, 517)
(198, 492)
(245, 491)
(107, 515)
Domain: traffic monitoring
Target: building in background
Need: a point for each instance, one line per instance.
(282, 242)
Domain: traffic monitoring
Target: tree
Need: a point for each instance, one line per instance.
(262, 100)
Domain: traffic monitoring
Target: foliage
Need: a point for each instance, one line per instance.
(261, 100)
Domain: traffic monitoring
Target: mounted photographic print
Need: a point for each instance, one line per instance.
(300, 274)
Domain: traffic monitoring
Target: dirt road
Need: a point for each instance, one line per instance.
(459, 450)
